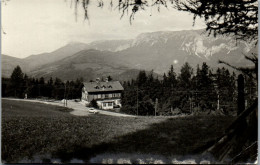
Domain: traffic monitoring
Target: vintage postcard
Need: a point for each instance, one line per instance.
(129, 81)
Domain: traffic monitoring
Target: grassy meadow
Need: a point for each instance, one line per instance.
(30, 129)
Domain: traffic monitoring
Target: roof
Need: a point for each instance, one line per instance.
(103, 86)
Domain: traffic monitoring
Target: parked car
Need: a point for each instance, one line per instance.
(92, 110)
(77, 100)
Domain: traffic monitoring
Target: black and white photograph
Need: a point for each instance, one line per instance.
(129, 81)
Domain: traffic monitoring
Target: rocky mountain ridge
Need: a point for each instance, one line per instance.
(149, 51)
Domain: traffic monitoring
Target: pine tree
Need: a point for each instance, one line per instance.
(141, 78)
(17, 81)
(184, 95)
(50, 82)
(109, 78)
(172, 76)
(49, 87)
(185, 76)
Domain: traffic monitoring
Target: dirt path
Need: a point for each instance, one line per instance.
(79, 108)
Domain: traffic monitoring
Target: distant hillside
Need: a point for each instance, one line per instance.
(87, 64)
(120, 58)
(35, 61)
(9, 63)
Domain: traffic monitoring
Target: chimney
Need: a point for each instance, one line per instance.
(97, 80)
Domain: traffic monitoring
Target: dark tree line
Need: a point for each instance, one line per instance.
(20, 85)
(186, 92)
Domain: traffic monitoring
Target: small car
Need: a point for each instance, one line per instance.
(92, 110)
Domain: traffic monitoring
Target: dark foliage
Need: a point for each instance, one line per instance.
(182, 93)
(241, 94)
(222, 17)
(17, 81)
(229, 17)
(93, 103)
(206, 91)
(20, 85)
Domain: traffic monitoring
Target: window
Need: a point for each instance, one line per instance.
(106, 95)
(109, 86)
(110, 104)
(104, 104)
(97, 87)
(99, 96)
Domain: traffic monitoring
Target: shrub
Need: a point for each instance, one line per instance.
(93, 103)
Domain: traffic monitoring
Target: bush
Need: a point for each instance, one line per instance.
(93, 103)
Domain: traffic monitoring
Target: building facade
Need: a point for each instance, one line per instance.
(107, 94)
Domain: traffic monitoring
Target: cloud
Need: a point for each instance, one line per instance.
(36, 26)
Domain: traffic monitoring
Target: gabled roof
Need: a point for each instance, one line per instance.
(103, 86)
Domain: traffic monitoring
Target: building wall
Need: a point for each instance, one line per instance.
(104, 100)
(90, 98)
(84, 96)
(108, 104)
(103, 96)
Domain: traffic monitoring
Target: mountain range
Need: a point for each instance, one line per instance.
(123, 58)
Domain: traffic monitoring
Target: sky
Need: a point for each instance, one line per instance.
(38, 26)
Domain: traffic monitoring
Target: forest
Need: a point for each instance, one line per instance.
(204, 90)
(20, 84)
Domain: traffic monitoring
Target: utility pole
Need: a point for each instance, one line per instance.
(137, 99)
(218, 103)
(65, 95)
(190, 105)
(137, 88)
(156, 106)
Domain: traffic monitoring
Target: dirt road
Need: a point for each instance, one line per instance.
(79, 109)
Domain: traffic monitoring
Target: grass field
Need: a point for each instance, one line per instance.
(30, 129)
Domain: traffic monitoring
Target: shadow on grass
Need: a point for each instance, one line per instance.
(35, 132)
(38, 133)
(174, 136)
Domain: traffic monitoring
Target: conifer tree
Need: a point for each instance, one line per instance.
(185, 76)
(17, 81)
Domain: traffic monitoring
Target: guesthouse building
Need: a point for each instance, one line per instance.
(106, 93)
